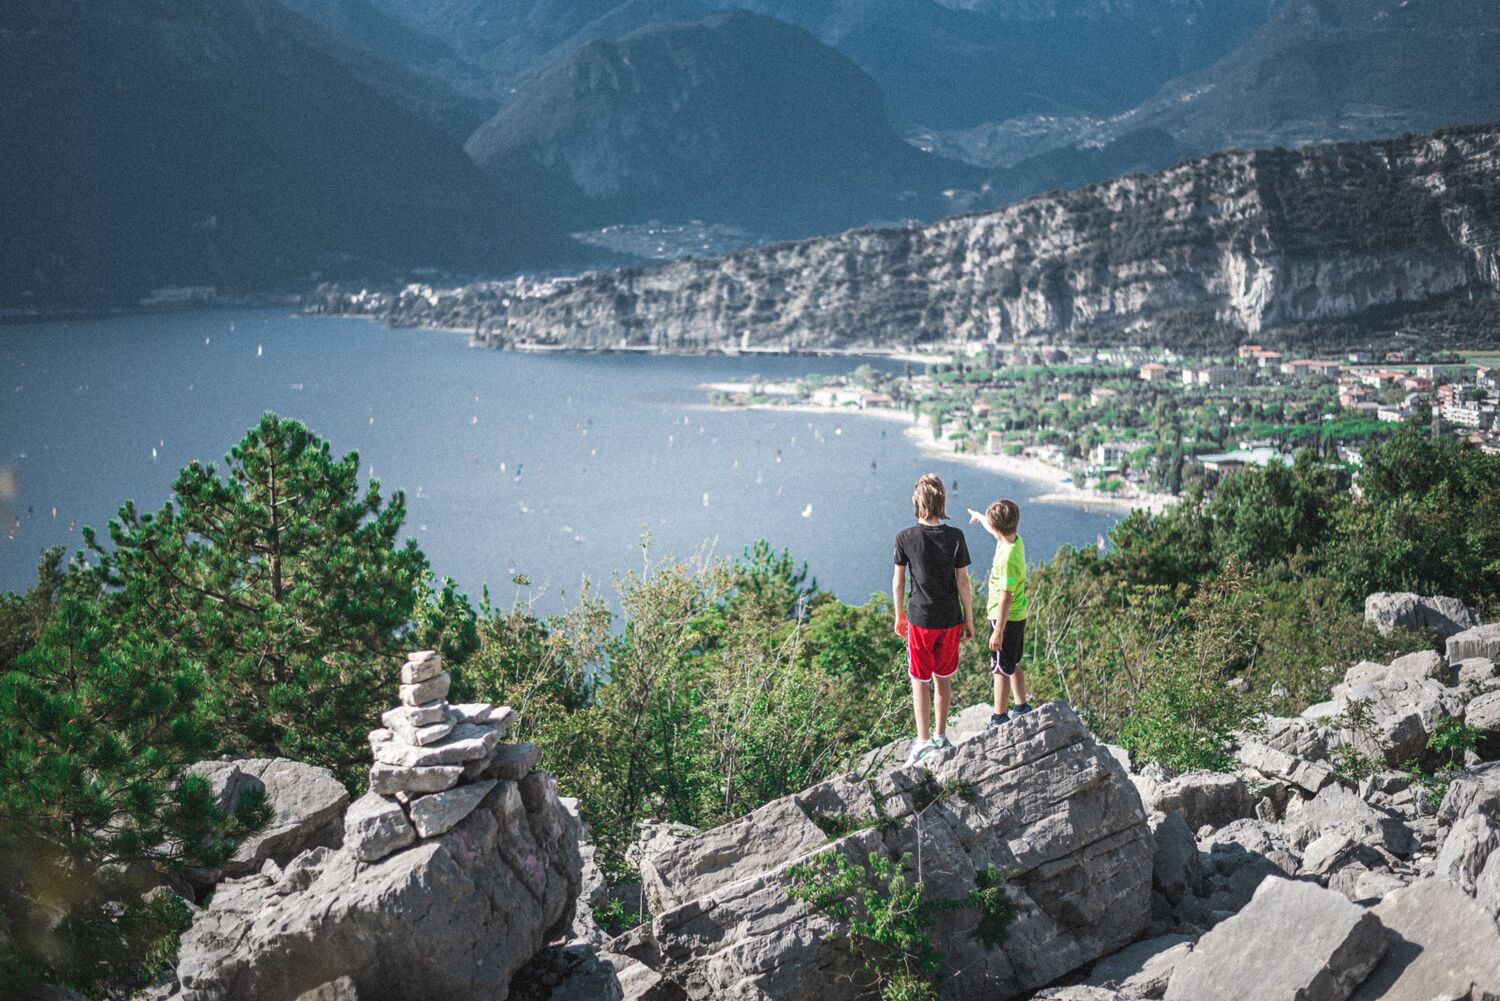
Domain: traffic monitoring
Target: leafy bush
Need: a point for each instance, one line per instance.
(886, 919)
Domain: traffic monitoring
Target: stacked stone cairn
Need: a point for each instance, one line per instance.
(434, 763)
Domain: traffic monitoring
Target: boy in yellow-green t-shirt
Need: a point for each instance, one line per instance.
(1007, 608)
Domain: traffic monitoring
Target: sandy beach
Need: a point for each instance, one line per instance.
(1046, 478)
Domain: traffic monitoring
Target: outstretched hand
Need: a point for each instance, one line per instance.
(974, 516)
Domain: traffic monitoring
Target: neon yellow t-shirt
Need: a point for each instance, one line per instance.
(1008, 574)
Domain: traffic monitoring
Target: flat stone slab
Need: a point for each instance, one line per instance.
(421, 736)
(415, 671)
(514, 761)
(437, 812)
(425, 714)
(1441, 945)
(387, 780)
(435, 687)
(472, 712)
(1142, 969)
(467, 742)
(374, 827)
(1293, 940)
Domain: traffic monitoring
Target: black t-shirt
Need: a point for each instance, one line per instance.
(933, 553)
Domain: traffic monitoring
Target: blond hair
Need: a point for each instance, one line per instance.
(929, 499)
(1004, 516)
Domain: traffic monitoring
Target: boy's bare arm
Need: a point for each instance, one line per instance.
(898, 597)
(966, 595)
(1002, 616)
(976, 518)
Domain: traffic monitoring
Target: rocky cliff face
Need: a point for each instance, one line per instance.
(1215, 248)
(1040, 800)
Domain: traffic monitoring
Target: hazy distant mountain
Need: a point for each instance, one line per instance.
(412, 68)
(178, 142)
(737, 118)
(1324, 69)
(940, 64)
(1318, 70)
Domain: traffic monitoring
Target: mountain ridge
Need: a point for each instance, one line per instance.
(1211, 250)
(738, 117)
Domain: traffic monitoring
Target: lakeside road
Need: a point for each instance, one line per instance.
(1047, 478)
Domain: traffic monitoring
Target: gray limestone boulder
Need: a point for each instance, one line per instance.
(1402, 712)
(438, 812)
(1442, 944)
(454, 917)
(1487, 886)
(1176, 872)
(1419, 665)
(1204, 798)
(1389, 611)
(307, 807)
(1294, 940)
(1142, 969)
(1483, 714)
(1466, 849)
(1291, 751)
(1338, 810)
(1481, 641)
(375, 826)
(567, 973)
(1476, 790)
(1039, 799)
(342, 989)
(1477, 671)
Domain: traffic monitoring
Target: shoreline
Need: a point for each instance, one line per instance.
(888, 354)
(1041, 475)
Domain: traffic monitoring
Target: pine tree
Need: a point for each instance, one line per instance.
(96, 728)
(284, 582)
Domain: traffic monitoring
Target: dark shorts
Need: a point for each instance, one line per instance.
(1006, 659)
(932, 653)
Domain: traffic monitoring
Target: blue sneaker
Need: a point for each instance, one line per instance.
(997, 719)
(1020, 710)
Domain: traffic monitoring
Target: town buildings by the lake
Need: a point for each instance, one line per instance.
(1144, 424)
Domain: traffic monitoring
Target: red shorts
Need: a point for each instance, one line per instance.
(932, 653)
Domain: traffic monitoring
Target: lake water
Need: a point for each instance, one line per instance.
(547, 465)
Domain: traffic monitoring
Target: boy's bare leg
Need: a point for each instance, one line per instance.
(1018, 686)
(921, 703)
(1002, 693)
(944, 688)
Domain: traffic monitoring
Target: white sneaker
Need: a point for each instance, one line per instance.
(919, 749)
(941, 742)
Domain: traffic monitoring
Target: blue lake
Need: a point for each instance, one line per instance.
(548, 465)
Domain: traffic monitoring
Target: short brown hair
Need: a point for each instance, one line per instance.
(1004, 516)
(929, 499)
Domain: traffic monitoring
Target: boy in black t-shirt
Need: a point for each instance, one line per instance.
(939, 614)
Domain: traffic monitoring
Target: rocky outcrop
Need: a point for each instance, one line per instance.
(447, 900)
(1388, 611)
(1039, 798)
(1441, 944)
(1214, 248)
(306, 804)
(1479, 642)
(1210, 799)
(1293, 940)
